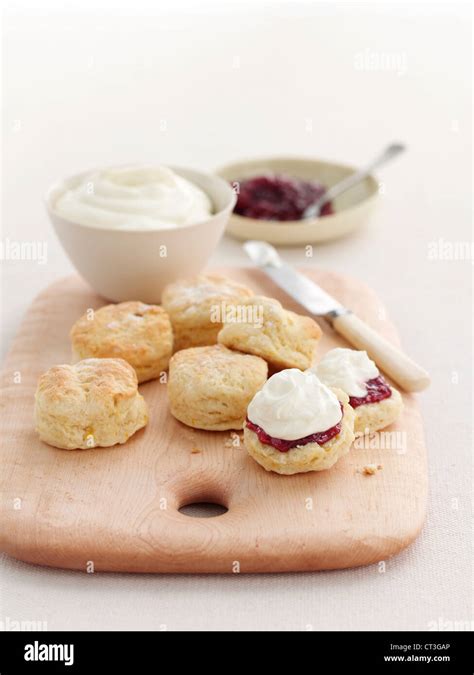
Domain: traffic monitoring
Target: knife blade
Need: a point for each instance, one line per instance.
(403, 370)
(297, 285)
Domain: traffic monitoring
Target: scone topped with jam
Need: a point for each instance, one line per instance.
(138, 333)
(284, 339)
(94, 403)
(198, 307)
(296, 424)
(375, 402)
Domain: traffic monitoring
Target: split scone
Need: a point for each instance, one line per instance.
(198, 307)
(375, 402)
(211, 387)
(296, 424)
(284, 339)
(138, 333)
(94, 403)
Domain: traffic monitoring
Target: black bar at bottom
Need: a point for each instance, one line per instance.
(86, 652)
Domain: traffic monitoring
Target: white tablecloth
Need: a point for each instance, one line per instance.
(201, 87)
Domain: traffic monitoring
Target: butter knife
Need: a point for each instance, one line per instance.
(403, 370)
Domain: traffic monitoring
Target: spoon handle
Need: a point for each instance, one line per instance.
(388, 154)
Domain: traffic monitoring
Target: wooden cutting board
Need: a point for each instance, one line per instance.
(116, 509)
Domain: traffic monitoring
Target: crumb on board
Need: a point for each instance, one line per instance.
(371, 469)
(195, 451)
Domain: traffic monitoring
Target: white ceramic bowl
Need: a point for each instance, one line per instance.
(137, 264)
(352, 209)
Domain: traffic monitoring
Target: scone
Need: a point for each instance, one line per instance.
(284, 339)
(197, 308)
(211, 387)
(375, 402)
(138, 333)
(94, 403)
(370, 417)
(296, 424)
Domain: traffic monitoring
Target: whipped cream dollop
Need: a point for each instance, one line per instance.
(293, 404)
(346, 369)
(134, 198)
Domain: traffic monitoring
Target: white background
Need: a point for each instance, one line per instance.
(203, 84)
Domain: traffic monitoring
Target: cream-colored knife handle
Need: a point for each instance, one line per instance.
(404, 371)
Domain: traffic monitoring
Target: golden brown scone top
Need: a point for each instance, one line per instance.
(186, 296)
(214, 360)
(283, 338)
(131, 330)
(211, 387)
(93, 403)
(70, 386)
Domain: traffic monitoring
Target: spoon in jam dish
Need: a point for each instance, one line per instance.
(392, 151)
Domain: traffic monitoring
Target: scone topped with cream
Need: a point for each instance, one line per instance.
(296, 424)
(375, 402)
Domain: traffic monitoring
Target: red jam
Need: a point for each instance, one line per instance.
(278, 197)
(377, 390)
(283, 446)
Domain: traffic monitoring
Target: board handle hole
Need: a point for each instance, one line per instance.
(203, 509)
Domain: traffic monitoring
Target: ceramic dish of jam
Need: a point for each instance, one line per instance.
(272, 194)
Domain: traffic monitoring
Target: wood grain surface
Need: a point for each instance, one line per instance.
(116, 509)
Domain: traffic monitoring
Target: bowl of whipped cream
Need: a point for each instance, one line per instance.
(130, 230)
